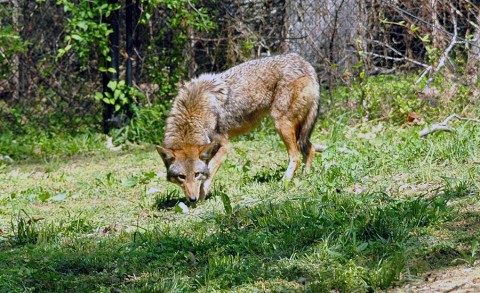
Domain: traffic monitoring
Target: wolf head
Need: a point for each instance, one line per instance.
(188, 167)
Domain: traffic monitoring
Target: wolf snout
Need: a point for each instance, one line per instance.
(192, 198)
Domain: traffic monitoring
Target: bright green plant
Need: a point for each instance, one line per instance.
(469, 257)
(29, 230)
(380, 96)
(120, 95)
(10, 44)
(146, 126)
(86, 27)
(168, 66)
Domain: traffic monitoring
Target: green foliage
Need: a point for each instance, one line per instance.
(35, 143)
(380, 96)
(121, 95)
(29, 230)
(470, 258)
(87, 36)
(24, 229)
(168, 66)
(87, 30)
(10, 45)
(183, 13)
(167, 200)
(134, 180)
(146, 126)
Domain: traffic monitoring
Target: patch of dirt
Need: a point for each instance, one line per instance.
(458, 279)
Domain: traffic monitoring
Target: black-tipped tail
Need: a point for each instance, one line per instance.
(305, 130)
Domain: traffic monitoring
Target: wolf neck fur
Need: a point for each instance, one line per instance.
(194, 115)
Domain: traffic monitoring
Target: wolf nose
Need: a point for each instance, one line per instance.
(192, 199)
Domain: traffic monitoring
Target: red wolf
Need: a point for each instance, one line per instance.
(211, 109)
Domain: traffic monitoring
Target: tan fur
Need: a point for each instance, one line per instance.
(213, 108)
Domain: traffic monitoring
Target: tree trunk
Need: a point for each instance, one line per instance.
(436, 35)
(129, 28)
(130, 24)
(109, 118)
(323, 31)
(16, 59)
(473, 62)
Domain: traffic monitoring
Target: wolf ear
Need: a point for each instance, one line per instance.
(208, 151)
(167, 155)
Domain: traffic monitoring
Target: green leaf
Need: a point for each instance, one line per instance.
(130, 182)
(112, 84)
(44, 196)
(61, 52)
(83, 25)
(147, 176)
(59, 197)
(226, 203)
(110, 178)
(181, 208)
(98, 96)
(116, 94)
(77, 37)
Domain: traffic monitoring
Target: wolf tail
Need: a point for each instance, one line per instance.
(305, 128)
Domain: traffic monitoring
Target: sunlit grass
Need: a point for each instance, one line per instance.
(372, 210)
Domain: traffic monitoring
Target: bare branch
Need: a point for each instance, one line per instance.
(405, 12)
(443, 125)
(427, 70)
(403, 58)
(447, 51)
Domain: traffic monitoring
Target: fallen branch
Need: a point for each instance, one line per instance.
(443, 125)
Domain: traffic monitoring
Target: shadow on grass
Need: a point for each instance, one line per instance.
(171, 198)
(168, 200)
(318, 242)
(269, 175)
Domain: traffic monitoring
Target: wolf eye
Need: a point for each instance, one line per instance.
(181, 177)
(198, 174)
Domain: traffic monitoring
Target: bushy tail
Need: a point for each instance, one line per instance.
(305, 129)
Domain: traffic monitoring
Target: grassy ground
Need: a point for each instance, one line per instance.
(381, 207)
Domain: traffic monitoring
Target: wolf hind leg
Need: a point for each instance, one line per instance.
(286, 130)
(308, 158)
(305, 128)
(295, 111)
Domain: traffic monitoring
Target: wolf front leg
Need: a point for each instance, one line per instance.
(213, 167)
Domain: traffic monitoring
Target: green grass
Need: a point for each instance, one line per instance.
(380, 207)
(365, 219)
